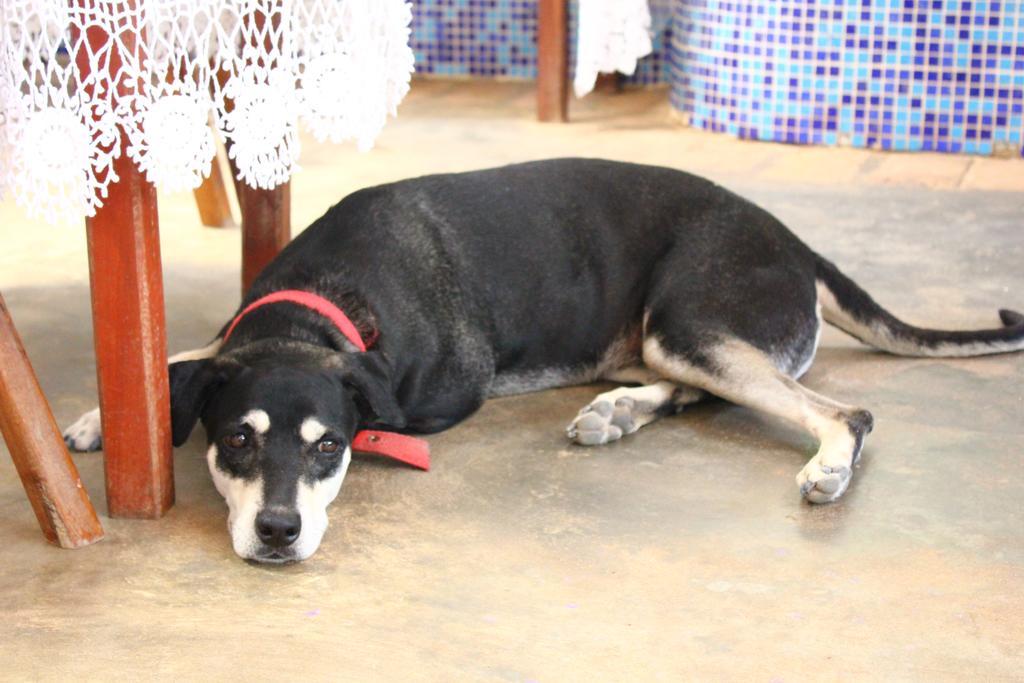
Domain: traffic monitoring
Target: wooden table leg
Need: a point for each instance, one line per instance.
(47, 472)
(212, 199)
(127, 296)
(131, 347)
(266, 227)
(553, 60)
(266, 214)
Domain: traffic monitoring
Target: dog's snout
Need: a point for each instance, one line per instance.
(278, 529)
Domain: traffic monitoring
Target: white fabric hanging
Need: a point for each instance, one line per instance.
(341, 66)
(611, 35)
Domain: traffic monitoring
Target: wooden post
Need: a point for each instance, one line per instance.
(128, 307)
(212, 199)
(131, 347)
(266, 227)
(553, 60)
(47, 472)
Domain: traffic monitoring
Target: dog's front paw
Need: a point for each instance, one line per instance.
(603, 422)
(85, 434)
(821, 483)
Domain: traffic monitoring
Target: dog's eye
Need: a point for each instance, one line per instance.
(328, 446)
(237, 441)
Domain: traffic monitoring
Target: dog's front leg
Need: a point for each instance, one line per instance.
(86, 433)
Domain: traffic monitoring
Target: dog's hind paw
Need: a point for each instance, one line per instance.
(820, 483)
(602, 422)
(85, 433)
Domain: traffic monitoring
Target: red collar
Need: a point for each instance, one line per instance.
(407, 449)
(313, 302)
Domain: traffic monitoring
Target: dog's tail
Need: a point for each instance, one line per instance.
(851, 309)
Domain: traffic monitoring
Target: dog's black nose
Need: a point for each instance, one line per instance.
(278, 529)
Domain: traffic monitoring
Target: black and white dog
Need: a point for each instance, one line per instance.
(512, 280)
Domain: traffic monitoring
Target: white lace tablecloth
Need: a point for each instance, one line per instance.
(167, 69)
(612, 35)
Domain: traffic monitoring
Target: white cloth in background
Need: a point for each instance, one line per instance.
(340, 66)
(611, 35)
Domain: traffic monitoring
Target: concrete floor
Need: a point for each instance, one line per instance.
(681, 552)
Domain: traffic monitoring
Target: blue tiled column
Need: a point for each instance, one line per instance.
(943, 75)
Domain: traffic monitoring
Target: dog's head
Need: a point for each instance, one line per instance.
(280, 436)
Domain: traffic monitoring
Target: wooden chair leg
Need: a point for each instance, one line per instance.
(266, 227)
(47, 472)
(553, 60)
(609, 83)
(131, 347)
(212, 199)
(266, 223)
(266, 214)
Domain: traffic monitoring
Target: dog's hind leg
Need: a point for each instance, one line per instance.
(624, 410)
(736, 371)
(86, 433)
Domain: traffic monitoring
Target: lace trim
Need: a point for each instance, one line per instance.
(340, 66)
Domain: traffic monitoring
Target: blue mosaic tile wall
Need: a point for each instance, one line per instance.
(498, 38)
(942, 75)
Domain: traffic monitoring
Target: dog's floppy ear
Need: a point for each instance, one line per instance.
(369, 374)
(192, 382)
